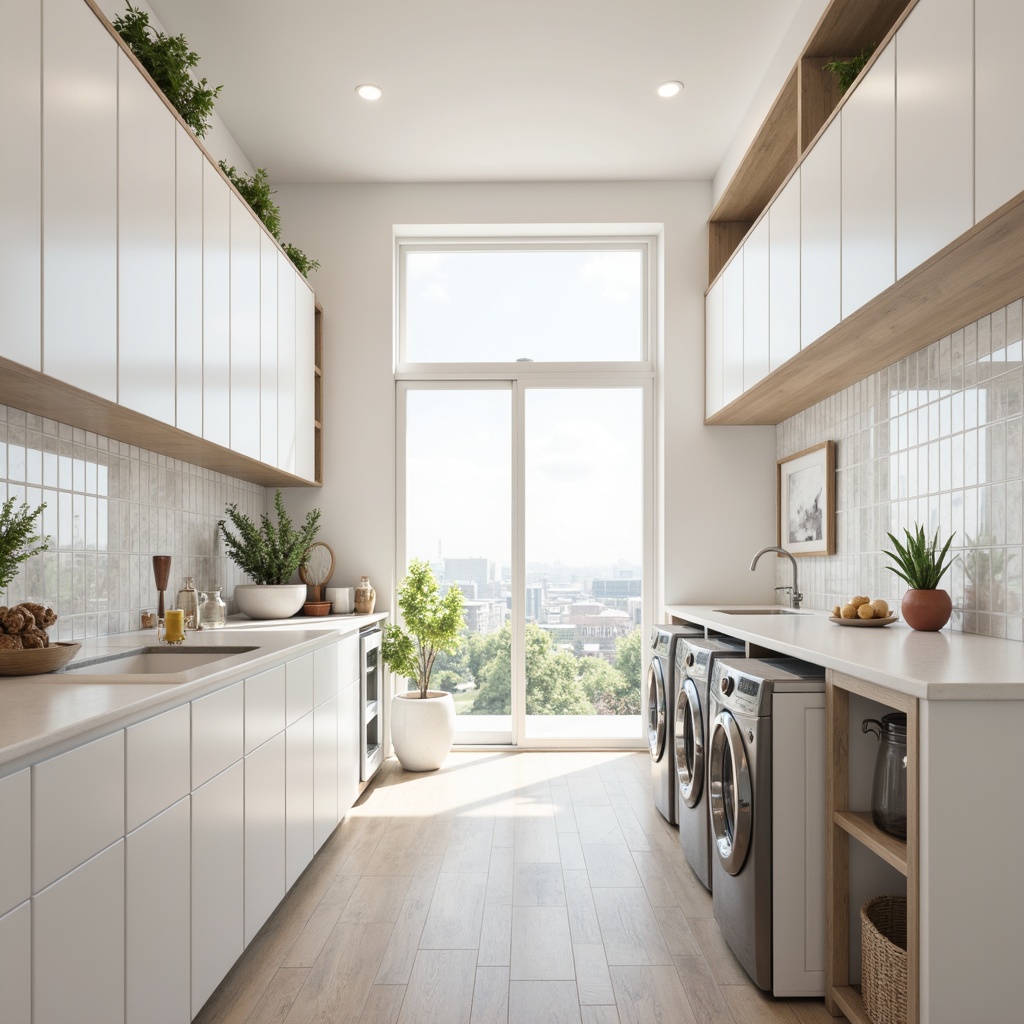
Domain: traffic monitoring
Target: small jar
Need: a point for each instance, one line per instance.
(366, 596)
(889, 786)
(147, 618)
(188, 602)
(213, 612)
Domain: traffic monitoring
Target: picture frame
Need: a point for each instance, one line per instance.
(806, 501)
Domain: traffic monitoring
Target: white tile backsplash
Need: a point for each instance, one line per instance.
(936, 438)
(110, 507)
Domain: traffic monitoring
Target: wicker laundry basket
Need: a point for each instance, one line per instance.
(883, 930)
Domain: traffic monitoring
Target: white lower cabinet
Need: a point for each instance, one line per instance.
(218, 853)
(265, 819)
(157, 765)
(15, 839)
(16, 965)
(325, 771)
(78, 944)
(348, 748)
(298, 797)
(158, 867)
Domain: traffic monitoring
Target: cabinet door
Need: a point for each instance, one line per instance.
(820, 243)
(79, 198)
(218, 726)
(325, 674)
(305, 355)
(20, 196)
(264, 707)
(15, 840)
(157, 764)
(78, 807)
(145, 247)
(78, 944)
(158, 881)
(268, 350)
(16, 965)
(218, 852)
(869, 184)
(998, 147)
(245, 330)
(189, 283)
(732, 329)
(934, 129)
(348, 660)
(299, 699)
(299, 798)
(755, 305)
(216, 306)
(713, 349)
(264, 833)
(784, 274)
(325, 771)
(348, 747)
(285, 364)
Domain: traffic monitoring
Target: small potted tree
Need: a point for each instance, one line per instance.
(921, 565)
(422, 720)
(269, 555)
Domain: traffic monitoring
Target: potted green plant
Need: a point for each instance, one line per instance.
(269, 555)
(422, 720)
(19, 540)
(921, 564)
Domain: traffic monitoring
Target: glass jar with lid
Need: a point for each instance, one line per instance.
(213, 612)
(889, 786)
(188, 602)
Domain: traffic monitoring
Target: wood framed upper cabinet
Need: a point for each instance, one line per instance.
(784, 274)
(934, 129)
(713, 349)
(245, 330)
(268, 349)
(189, 163)
(79, 198)
(998, 141)
(755, 305)
(820, 230)
(20, 195)
(286, 287)
(732, 329)
(305, 359)
(216, 307)
(869, 184)
(146, 247)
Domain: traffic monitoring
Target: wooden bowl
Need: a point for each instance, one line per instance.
(38, 660)
(316, 608)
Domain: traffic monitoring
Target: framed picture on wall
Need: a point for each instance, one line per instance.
(807, 501)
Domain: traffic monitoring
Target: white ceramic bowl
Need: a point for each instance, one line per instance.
(270, 601)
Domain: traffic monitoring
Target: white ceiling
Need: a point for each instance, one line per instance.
(482, 90)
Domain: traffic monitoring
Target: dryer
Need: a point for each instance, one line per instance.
(695, 659)
(766, 791)
(661, 714)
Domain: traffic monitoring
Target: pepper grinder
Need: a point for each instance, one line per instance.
(162, 576)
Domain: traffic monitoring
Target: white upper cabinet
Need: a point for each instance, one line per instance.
(245, 330)
(869, 184)
(268, 350)
(755, 305)
(145, 247)
(934, 129)
(189, 273)
(998, 140)
(732, 329)
(305, 326)
(820, 244)
(784, 271)
(713, 349)
(216, 307)
(20, 119)
(79, 198)
(286, 288)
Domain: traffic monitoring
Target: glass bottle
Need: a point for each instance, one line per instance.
(365, 597)
(188, 602)
(889, 786)
(213, 612)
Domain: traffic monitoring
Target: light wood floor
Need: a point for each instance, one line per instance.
(528, 888)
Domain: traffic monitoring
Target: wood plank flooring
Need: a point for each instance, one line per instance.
(506, 888)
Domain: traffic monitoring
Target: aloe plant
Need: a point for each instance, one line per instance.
(918, 561)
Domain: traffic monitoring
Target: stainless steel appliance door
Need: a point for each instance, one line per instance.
(729, 793)
(689, 744)
(657, 711)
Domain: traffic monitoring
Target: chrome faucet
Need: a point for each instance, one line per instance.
(795, 597)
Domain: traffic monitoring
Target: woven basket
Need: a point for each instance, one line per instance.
(883, 930)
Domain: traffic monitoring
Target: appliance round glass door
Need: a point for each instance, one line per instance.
(656, 710)
(689, 740)
(729, 793)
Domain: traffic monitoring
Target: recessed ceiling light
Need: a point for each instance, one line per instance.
(369, 92)
(669, 89)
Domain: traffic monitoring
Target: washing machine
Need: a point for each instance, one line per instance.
(766, 793)
(660, 714)
(695, 659)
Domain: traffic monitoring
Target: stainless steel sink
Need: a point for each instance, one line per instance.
(146, 661)
(757, 611)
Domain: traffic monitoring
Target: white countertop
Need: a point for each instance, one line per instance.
(930, 666)
(41, 712)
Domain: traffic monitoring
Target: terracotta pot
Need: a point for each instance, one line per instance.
(422, 730)
(926, 610)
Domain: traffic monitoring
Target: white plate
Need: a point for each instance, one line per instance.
(862, 622)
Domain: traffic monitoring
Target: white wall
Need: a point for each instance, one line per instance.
(710, 532)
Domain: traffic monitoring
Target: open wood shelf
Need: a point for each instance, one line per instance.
(859, 825)
(851, 1002)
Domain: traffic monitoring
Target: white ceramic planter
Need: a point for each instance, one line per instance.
(270, 601)
(422, 730)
